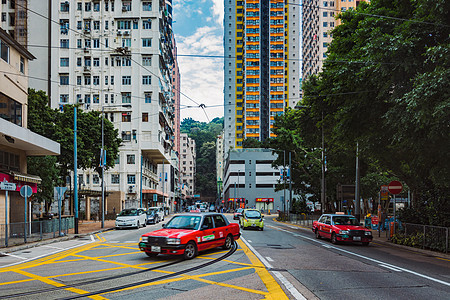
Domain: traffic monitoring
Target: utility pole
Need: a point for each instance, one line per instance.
(323, 196)
(357, 196)
(290, 182)
(284, 180)
(75, 166)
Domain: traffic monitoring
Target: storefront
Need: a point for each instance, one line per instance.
(265, 204)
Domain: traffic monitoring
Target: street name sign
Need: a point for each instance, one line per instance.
(7, 186)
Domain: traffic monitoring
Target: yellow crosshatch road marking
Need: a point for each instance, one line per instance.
(275, 291)
(57, 284)
(106, 246)
(17, 281)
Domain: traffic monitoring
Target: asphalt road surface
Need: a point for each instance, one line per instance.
(281, 262)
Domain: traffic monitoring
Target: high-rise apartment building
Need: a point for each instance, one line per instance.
(113, 56)
(187, 165)
(219, 167)
(262, 66)
(319, 18)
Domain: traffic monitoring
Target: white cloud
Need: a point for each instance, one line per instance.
(218, 11)
(201, 78)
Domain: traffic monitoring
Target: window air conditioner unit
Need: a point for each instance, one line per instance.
(119, 32)
(126, 33)
(131, 189)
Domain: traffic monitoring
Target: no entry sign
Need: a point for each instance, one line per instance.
(395, 187)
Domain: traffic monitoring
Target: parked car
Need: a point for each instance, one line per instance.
(238, 214)
(187, 234)
(252, 218)
(341, 228)
(159, 211)
(152, 216)
(131, 217)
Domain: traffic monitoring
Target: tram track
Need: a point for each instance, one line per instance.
(112, 289)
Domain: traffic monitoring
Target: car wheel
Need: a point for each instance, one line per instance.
(190, 251)
(228, 243)
(333, 238)
(145, 224)
(317, 234)
(138, 225)
(365, 243)
(261, 228)
(151, 254)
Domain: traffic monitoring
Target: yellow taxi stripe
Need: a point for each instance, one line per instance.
(57, 284)
(275, 291)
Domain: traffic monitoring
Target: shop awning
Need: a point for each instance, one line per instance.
(26, 177)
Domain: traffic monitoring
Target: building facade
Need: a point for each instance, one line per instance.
(250, 180)
(318, 19)
(262, 66)
(187, 167)
(16, 141)
(117, 57)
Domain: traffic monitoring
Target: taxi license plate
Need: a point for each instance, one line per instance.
(253, 225)
(155, 249)
(356, 238)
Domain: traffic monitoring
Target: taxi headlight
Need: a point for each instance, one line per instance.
(344, 232)
(368, 233)
(144, 239)
(173, 241)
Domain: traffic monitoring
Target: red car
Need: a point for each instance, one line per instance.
(187, 234)
(341, 228)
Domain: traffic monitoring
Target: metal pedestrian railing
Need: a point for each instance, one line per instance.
(19, 233)
(299, 219)
(424, 236)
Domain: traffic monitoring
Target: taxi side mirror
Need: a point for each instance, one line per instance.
(262, 216)
(163, 225)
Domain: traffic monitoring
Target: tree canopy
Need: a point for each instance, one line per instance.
(385, 85)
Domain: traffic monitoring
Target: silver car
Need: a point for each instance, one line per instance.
(131, 218)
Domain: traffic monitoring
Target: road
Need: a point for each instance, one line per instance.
(283, 261)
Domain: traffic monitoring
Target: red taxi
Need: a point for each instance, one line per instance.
(238, 214)
(341, 228)
(187, 234)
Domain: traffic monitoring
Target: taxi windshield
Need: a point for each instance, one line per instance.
(184, 222)
(239, 210)
(345, 220)
(151, 211)
(128, 212)
(252, 214)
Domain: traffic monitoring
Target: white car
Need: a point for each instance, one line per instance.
(159, 212)
(131, 217)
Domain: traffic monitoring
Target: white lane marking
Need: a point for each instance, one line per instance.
(92, 238)
(47, 254)
(294, 292)
(249, 241)
(53, 247)
(130, 242)
(390, 268)
(112, 242)
(375, 260)
(268, 258)
(16, 256)
(327, 246)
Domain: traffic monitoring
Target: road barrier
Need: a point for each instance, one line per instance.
(423, 236)
(299, 219)
(21, 233)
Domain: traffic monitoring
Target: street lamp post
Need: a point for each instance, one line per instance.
(103, 159)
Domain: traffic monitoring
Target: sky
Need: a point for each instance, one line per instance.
(198, 30)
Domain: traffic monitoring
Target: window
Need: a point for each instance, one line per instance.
(14, 114)
(325, 24)
(144, 117)
(64, 98)
(79, 43)
(96, 6)
(146, 42)
(131, 179)
(124, 24)
(126, 6)
(96, 25)
(147, 24)
(106, 97)
(22, 65)
(63, 43)
(87, 6)
(115, 178)
(79, 25)
(64, 79)
(95, 179)
(87, 43)
(148, 97)
(96, 98)
(131, 159)
(95, 80)
(146, 60)
(96, 43)
(126, 80)
(87, 61)
(87, 98)
(126, 117)
(146, 79)
(96, 62)
(4, 51)
(87, 79)
(78, 80)
(126, 42)
(146, 6)
(106, 24)
(106, 83)
(126, 97)
(79, 6)
(64, 62)
(135, 24)
(112, 80)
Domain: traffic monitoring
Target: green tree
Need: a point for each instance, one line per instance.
(58, 126)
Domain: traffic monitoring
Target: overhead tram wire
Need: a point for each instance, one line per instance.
(113, 49)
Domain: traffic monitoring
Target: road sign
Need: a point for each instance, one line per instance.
(375, 220)
(384, 193)
(26, 191)
(7, 186)
(395, 187)
(60, 190)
